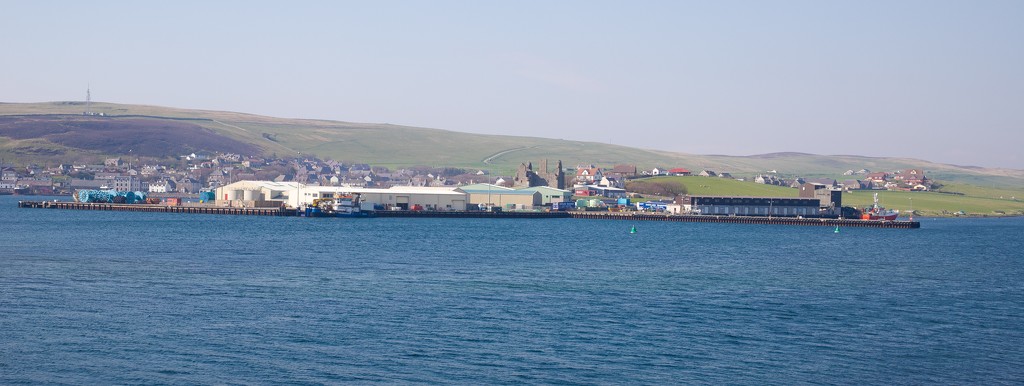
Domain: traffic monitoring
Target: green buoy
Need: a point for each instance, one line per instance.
(837, 228)
(633, 230)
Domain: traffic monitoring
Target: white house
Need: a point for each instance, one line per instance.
(164, 186)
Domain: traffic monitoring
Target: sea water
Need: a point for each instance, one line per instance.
(91, 297)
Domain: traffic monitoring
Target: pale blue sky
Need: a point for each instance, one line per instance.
(936, 80)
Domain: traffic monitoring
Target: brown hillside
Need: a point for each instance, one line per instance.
(143, 136)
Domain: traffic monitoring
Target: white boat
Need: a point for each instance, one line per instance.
(344, 205)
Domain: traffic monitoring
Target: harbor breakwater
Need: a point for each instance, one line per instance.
(200, 209)
(631, 216)
(829, 222)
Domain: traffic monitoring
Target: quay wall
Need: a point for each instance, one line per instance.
(197, 209)
(210, 209)
(468, 214)
(829, 222)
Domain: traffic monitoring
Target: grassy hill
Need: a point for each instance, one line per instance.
(937, 204)
(160, 138)
(395, 146)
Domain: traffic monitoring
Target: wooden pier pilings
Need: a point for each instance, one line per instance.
(631, 216)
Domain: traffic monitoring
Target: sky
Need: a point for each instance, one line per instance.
(936, 80)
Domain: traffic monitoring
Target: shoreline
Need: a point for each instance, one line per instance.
(185, 196)
(635, 216)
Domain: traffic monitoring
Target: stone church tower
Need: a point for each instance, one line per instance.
(526, 177)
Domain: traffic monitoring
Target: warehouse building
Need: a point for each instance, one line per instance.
(549, 195)
(258, 194)
(751, 206)
(295, 195)
(487, 195)
(831, 198)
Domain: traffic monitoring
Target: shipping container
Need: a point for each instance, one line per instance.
(563, 206)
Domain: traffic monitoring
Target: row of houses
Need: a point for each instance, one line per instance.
(591, 174)
(913, 179)
(910, 180)
(196, 172)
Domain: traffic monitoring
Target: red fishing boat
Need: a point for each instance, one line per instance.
(877, 212)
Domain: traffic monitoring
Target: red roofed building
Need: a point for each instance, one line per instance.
(679, 172)
(588, 175)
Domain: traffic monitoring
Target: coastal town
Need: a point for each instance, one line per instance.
(233, 180)
(194, 173)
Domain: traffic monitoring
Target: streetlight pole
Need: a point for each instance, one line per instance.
(911, 208)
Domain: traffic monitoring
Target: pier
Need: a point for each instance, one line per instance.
(200, 209)
(630, 216)
(468, 214)
(829, 222)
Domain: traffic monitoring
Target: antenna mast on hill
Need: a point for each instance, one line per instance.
(88, 100)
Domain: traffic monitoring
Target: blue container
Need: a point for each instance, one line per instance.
(207, 196)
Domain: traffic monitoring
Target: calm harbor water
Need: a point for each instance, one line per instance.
(124, 298)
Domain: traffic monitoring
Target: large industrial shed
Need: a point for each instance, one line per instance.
(293, 194)
(407, 197)
(751, 206)
(549, 195)
(258, 194)
(500, 196)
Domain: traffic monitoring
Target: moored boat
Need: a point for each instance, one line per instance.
(877, 212)
(340, 206)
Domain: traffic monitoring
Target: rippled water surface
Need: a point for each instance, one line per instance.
(112, 298)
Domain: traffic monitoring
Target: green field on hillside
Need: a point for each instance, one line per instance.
(936, 204)
(994, 192)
